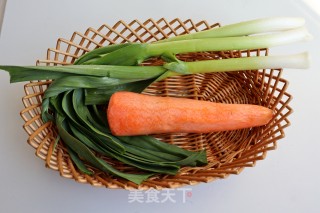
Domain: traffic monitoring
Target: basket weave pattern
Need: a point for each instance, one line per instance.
(228, 152)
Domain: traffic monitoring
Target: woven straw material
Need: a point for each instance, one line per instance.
(228, 152)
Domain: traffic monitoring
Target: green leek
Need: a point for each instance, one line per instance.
(257, 26)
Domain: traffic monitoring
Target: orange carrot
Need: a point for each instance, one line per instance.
(137, 114)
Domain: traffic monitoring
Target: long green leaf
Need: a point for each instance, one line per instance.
(83, 114)
(130, 55)
(151, 143)
(87, 155)
(74, 82)
(99, 52)
(96, 96)
(29, 73)
(84, 139)
(80, 165)
(20, 74)
(78, 113)
(99, 114)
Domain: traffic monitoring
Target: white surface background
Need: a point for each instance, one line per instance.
(286, 181)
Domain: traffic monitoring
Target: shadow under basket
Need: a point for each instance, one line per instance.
(227, 152)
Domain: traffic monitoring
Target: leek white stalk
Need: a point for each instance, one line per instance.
(296, 61)
(228, 43)
(256, 26)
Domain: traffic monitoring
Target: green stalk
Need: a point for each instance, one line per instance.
(244, 28)
(297, 61)
(228, 43)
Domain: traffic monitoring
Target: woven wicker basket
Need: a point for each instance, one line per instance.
(228, 152)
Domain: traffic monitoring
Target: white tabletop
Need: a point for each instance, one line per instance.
(286, 181)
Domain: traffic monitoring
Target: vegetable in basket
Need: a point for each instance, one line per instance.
(137, 114)
(76, 100)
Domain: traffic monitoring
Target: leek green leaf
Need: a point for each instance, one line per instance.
(77, 161)
(89, 156)
(97, 53)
